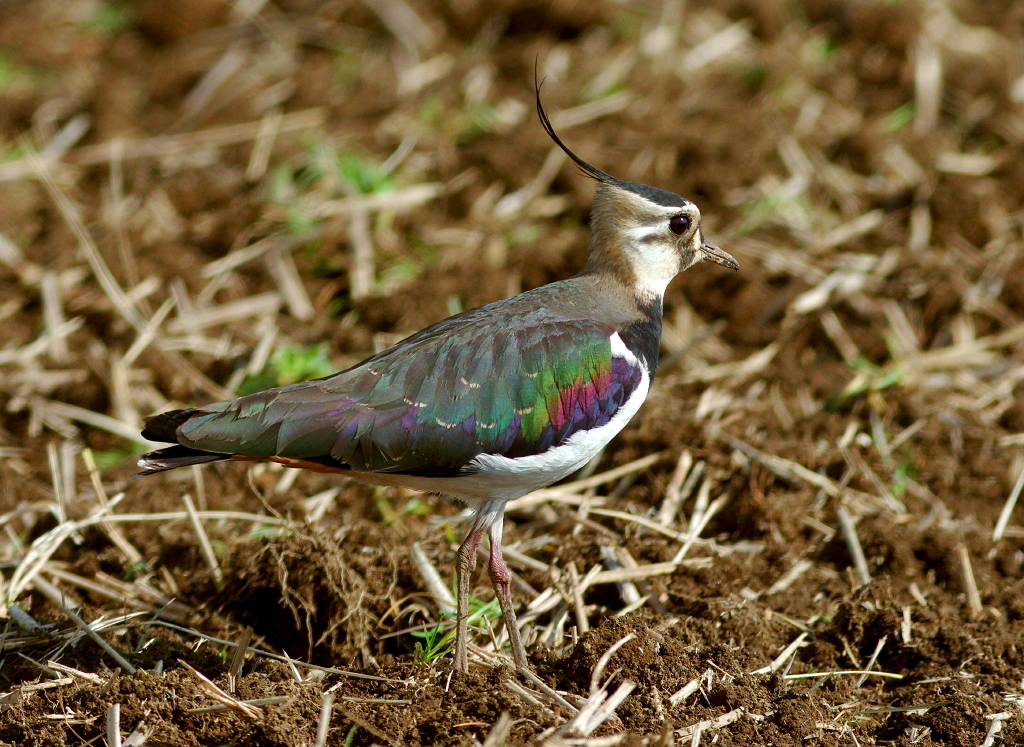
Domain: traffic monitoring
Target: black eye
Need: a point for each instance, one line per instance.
(679, 224)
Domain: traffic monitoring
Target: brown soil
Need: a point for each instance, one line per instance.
(822, 158)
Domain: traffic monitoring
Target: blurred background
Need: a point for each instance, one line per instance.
(203, 198)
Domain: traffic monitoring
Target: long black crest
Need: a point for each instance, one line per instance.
(655, 195)
(586, 168)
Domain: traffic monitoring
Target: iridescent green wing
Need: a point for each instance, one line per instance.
(431, 404)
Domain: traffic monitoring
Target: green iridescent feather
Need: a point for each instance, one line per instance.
(475, 383)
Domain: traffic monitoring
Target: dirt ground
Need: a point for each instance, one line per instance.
(200, 198)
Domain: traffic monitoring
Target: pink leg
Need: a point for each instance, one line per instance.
(501, 579)
(463, 574)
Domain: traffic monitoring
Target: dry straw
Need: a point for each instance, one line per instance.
(846, 260)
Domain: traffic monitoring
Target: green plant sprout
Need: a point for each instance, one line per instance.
(116, 456)
(901, 476)
(289, 365)
(266, 530)
(900, 117)
(776, 203)
(350, 736)
(322, 173)
(478, 121)
(364, 175)
(15, 77)
(391, 516)
(391, 279)
(112, 18)
(437, 640)
(869, 378)
(285, 184)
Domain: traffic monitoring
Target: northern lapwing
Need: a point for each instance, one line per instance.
(490, 404)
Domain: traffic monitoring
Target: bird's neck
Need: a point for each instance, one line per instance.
(643, 336)
(636, 317)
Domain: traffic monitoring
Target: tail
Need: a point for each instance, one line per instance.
(174, 457)
(164, 427)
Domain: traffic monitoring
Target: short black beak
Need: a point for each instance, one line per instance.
(716, 255)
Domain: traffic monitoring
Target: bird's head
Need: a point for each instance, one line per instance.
(643, 235)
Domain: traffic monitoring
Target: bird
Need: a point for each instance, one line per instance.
(490, 404)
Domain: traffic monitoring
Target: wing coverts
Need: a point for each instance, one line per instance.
(433, 402)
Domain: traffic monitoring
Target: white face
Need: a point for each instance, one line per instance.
(660, 242)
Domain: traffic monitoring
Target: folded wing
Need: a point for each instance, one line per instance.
(431, 404)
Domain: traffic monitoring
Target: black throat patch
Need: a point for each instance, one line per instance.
(643, 337)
